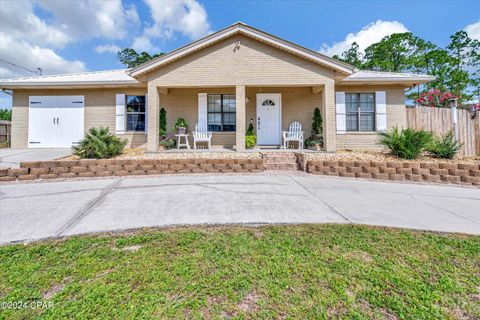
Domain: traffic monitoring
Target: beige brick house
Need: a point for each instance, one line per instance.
(236, 76)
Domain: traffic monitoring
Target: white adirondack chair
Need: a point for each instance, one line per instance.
(294, 133)
(201, 135)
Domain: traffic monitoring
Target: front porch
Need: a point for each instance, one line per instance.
(229, 120)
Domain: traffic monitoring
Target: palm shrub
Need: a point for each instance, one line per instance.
(99, 143)
(444, 147)
(407, 143)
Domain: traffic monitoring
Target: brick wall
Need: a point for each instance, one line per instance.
(410, 171)
(111, 167)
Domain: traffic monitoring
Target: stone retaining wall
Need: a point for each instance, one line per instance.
(111, 167)
(411, 171)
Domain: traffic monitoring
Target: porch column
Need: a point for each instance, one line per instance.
(240, 124)
(329, 117)
(153, 106)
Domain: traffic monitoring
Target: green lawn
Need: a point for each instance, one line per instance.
(297, 272)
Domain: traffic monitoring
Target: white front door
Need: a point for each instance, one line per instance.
(55, 121)
(269, 111)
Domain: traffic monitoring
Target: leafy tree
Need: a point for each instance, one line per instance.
(399, 52)
(352, 56)
(465, 54)
(6, 114)
(456, 67)
(131, 58)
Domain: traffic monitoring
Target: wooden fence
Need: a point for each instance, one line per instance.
(439, 122)
(5, 133)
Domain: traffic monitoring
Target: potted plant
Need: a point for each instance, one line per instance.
(180, 126)
(167, 143)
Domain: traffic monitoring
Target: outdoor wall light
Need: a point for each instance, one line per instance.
(452, 103)
(453, 107)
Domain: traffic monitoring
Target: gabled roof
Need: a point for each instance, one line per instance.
(241, 28)
(383, 77)
(98, 78)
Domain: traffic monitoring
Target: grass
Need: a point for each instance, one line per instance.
(296, 272)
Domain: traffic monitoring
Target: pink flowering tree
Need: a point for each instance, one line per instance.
(435, 98)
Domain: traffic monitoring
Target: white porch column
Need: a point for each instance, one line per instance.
(240, 124)
(329, 117)
(153, 98)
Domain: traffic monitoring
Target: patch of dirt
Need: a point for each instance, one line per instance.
(359, 255)
(257, 233)
(475, 296)
(56, 288)
(131, 248)
(249, 303)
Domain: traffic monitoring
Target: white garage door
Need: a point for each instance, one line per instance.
(55, 121)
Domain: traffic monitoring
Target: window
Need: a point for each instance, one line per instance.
(135, 113)
(268, 103)
(360, 111)
(222, 112)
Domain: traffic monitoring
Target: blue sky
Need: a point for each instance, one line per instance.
(66, 36)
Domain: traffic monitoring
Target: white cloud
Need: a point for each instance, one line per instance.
(143, 43)
(473, 30)
(369, 34)
(31, 56)
(92, 18)
(187, 17)
(17, 19)
(112, 48)
(29, 40)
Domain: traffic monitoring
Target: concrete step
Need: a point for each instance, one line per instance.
(279, 160)
(290, 166)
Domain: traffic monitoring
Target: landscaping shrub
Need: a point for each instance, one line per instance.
(168, 143)
(407, 143)
(6, 114)
(250, 137)
(316, 136)
(99, 143)
(250, 141)
(250, 130)
(444, 147)
(163, 122)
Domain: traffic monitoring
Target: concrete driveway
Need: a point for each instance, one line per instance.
(30, 211)
(12, 157)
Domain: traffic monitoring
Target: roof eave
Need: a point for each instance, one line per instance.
(391, 79)
(80, 84)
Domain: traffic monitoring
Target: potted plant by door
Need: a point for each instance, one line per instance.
(180, 126)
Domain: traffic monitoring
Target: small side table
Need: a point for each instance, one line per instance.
(179, 140)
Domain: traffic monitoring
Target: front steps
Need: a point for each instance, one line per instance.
(280, 161)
